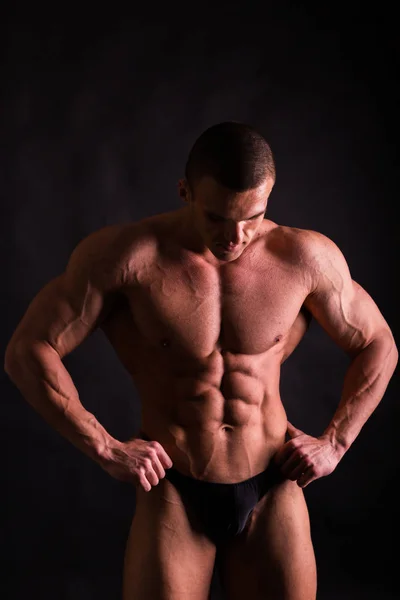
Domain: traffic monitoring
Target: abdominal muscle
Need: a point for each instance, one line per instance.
(223, 433)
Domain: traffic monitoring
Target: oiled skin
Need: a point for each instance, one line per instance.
(204, 347)
(204, 341)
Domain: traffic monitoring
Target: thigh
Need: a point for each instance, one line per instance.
(166, 557)
(273, 557)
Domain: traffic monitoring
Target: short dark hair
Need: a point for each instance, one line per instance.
(234, 154)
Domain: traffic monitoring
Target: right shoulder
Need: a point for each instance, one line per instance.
(109, 257)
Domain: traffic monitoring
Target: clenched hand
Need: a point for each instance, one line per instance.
(305, 458)
(139, 462)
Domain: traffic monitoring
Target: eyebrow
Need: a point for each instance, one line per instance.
(223, 218)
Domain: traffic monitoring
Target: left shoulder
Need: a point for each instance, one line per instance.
(310, 243)
(326, 264)
(311, 250)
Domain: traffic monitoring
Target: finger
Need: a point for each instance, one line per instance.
(148, 470)
(306, 478)
(162, 455)
(293, 467)
(144, 483)
(293, 431)
(297, 472)
(157, 466)
(284, 453)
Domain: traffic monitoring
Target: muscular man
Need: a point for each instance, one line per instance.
(203, 304)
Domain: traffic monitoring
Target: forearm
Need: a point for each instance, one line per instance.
(46, 385)
(365, 383)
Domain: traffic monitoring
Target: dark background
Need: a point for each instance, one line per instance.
(98, 113)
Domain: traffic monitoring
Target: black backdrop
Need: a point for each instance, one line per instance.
(98, 113)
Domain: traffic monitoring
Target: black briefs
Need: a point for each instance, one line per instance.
(221, 509)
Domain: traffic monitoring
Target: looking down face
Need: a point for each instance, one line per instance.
(227, 220)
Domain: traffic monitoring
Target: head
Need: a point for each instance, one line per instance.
(229, 175)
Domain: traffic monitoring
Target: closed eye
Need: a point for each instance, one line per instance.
(217, 218)
(214, 217)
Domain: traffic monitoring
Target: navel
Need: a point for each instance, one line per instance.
(227, 428)
(277, 339)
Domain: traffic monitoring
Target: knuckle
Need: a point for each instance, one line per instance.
(155, 446)
(151, 454)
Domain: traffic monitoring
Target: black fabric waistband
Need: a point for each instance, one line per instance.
(270, 476)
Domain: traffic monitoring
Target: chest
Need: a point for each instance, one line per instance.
(243, 308)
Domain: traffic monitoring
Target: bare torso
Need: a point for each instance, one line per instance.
(204, 346)
(204, 341)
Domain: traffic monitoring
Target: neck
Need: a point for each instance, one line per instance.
(191, 239)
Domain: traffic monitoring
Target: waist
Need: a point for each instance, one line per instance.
(223, 455)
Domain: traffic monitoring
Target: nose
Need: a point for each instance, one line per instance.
(233, 233)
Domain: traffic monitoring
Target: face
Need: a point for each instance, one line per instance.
(227, 221)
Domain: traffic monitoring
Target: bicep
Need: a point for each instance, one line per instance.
(61, 316)
(341, 306)
(68, 308)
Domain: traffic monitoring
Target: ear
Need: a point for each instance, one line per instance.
(183, 190)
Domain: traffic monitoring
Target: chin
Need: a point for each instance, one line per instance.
(221, 254)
